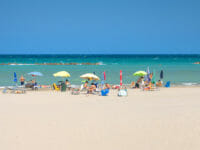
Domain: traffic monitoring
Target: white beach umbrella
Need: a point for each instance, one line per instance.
(89, 76)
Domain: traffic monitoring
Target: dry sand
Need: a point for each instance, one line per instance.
(168, 119)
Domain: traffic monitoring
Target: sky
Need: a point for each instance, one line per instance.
(99, 27)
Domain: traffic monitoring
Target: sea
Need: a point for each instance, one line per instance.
(180, 70)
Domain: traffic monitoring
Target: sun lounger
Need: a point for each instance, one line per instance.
(14, 90)
(77, 91)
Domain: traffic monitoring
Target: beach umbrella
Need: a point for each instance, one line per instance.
(35, 74)
(15, 77)
(89, 76)
(140, 73)
(61, 74)
(161, 74)
(120, 78)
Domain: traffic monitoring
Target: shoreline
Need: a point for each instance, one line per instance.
(126, 85)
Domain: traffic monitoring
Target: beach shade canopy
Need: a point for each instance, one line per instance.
(35, 74)
(15, 77)
(140, 73)
(147, 77)
(161, 74)
(104, 75)
(89, 76)
(61, 74)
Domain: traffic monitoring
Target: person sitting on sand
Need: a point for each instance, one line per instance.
(150, 77)
(159, 83)
(107, 86)
(22, 80)
(85, 86)
(92, 88)
(115, 87)
(133, 84)
(137, 85)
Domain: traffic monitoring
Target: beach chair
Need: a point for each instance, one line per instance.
(77, 91)
(55, 87)
(168, 84)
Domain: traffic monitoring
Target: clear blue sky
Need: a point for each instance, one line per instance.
(99, 26)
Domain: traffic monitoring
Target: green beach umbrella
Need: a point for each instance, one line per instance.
(140, 73)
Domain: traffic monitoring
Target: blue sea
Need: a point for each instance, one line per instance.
(179, 69)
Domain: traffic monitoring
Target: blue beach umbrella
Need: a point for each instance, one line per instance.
(161, 74)
(15, 77)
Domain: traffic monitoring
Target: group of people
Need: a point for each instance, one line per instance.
(28, 84)
(142, 83)
(93, 87)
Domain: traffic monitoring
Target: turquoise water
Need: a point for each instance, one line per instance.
(179, 69)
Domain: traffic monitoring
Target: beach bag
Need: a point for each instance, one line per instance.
(104, 92)
(122, 93)
(167, 85)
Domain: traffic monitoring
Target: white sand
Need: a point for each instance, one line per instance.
(168, 119)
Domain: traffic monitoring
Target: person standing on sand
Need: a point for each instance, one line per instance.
(22, 80)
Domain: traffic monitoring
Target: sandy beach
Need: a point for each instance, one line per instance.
(158, 120)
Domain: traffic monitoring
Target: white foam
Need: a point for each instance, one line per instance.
(189, 83)
(101, 63)
(21, 64)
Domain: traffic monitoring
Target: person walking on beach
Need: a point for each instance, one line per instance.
(22, 80)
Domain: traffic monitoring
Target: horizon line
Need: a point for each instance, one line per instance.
(101, 54)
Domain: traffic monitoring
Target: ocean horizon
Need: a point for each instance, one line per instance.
(178, 68)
